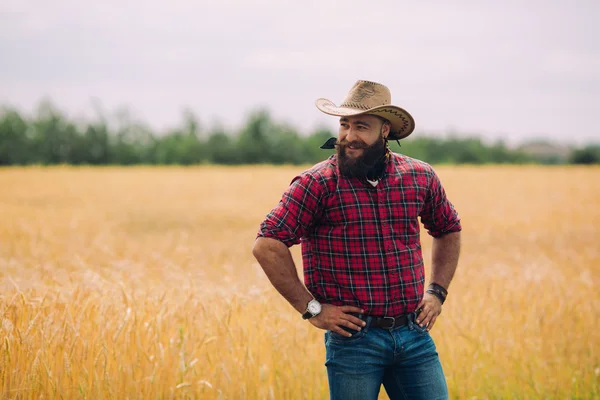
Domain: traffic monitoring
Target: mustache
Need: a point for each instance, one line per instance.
(356, 145)
(332, 143)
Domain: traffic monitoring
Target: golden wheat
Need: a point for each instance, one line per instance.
(139, 283)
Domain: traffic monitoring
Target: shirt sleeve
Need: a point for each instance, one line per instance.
(438, 214)
(296, 212)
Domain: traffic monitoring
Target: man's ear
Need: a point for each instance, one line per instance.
(385, 129)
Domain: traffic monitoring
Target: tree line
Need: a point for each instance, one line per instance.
(49, 138)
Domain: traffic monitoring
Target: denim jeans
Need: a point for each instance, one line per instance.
(404, 360)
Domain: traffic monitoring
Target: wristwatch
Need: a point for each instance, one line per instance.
(312, 309)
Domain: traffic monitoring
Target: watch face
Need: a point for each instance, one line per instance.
(314, 307)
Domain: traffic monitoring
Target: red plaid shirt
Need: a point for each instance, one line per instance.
(361, 244)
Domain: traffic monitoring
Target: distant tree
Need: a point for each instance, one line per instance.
(55, 140)
(133, 144)
(253, 139)
(285, 146)
(181, 146)
(311, 146)
(14, 143)
(589, 154)
(95, 147)
(221, 149)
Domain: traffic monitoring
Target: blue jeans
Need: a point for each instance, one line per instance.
(404, 360)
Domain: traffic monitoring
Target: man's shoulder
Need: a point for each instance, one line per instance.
(411, 165)
(321, 172)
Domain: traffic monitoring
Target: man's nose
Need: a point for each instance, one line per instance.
(352, 135)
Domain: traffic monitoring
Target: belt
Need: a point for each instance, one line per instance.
(387, 322)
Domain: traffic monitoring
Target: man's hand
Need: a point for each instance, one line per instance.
(430, 307)
(333, 317)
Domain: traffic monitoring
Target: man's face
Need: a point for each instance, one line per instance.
(361, 144)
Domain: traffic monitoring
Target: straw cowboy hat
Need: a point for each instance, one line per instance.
(373, 98)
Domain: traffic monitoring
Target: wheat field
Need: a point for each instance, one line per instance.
(139, 283)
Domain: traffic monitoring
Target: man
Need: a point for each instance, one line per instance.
(356, 215)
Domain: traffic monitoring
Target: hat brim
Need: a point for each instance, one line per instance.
(402, 122)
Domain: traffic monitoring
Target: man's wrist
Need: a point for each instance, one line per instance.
(438, 291)
(439, 287)
(313, 308)
(437, 295)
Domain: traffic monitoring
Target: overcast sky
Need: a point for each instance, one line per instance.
(512, 69)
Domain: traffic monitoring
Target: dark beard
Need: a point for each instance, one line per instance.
(361, 166)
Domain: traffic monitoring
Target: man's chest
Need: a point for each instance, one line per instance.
(393, 201)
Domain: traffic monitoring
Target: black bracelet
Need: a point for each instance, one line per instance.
(437, 294)
(439, 288)
(440, 292)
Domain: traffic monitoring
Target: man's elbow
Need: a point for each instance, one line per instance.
(264, 246)
(258, 248)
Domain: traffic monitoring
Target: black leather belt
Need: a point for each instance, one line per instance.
(387, 322)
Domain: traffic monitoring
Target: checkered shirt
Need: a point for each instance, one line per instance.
(361, 244)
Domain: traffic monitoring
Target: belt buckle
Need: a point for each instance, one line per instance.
(393, 322)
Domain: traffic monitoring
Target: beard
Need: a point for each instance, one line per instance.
(360, 166)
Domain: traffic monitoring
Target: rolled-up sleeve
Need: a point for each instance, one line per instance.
(438, 215)
(295, 213)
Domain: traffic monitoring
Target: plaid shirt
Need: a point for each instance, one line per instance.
(361, 244)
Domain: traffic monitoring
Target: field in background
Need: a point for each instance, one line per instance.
(140, 283)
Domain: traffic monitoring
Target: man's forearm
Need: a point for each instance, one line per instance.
(445, 253)
(276, 260)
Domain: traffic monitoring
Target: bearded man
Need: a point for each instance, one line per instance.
(356, 215)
